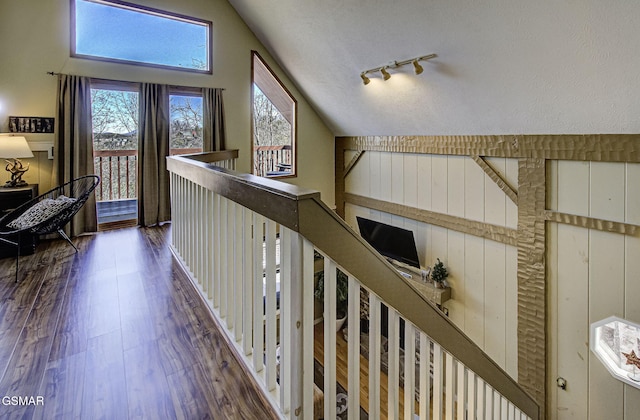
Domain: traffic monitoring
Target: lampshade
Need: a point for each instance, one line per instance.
(14, 147)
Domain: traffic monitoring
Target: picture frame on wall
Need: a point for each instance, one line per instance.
(31, 124)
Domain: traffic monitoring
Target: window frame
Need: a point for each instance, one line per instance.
(148, 10)
(294, 123)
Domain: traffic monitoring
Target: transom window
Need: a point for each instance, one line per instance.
(112, 30)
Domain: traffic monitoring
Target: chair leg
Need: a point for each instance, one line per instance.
(18, 258)
(64, 235)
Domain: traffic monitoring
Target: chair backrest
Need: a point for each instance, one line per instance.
(77, 192)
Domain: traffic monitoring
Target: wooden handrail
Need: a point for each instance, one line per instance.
(302, 210)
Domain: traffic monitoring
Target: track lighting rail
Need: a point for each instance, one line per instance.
(395, 64)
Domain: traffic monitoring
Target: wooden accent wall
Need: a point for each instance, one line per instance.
(533, 153)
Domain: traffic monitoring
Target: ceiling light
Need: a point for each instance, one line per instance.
(417, 68)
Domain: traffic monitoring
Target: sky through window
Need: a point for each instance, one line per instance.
(113, 31)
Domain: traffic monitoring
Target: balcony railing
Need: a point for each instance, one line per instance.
(116, 194)
(272, 160)
(117, 170)
(250, 246)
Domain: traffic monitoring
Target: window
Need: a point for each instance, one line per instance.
(274, 123)
(112, 30)
(185, 131)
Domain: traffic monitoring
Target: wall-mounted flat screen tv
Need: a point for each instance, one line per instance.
(392, 242)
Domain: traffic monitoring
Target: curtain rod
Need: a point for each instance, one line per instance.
(96, 79)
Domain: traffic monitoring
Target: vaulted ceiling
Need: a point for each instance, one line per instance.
(503, 66)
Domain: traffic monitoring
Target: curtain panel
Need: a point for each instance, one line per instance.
(214, 133)
(153, 148)
(73, 144)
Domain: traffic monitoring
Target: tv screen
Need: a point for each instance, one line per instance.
(392, 242)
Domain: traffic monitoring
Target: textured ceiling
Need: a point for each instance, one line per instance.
(503, 66)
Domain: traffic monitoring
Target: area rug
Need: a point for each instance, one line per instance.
(342, 400)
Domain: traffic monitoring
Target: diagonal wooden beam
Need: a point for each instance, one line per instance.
(352, 163)
(495, 177)
(459, 224)
(591, 223)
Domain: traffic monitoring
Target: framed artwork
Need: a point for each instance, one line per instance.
(31, 124)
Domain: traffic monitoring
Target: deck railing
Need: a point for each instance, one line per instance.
(249, 245)
(118, 172)
(272, 160)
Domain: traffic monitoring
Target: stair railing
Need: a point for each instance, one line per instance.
(250, 245)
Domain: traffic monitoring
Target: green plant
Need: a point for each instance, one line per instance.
(439, 272)
(342, 292)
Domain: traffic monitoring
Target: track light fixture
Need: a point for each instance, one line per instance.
(395, 64)
(417, 67)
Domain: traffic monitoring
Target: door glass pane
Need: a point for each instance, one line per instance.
(115, 152)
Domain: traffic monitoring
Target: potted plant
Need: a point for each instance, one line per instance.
(342, 295)
(439, 274)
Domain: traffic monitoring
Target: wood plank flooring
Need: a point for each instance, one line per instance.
(115, 331)
(342, 369)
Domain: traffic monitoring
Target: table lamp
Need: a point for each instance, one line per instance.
(12, 148)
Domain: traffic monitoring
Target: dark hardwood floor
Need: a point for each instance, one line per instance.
(115, 331)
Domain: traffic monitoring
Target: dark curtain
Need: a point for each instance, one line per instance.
(153, 148)
(214, 136)
(73, 144)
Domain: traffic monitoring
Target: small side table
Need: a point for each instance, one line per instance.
(10, 198)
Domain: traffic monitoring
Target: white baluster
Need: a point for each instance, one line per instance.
(217, 256)
(394, 365)
(437, 381)
(285, 341)
(224, 259)
(238, 257)
(270, 293)
(247, 280)
(329, 339)
(425, 376)
(353, 348)
(258, 293)
(307, 384)
(409, 370)
(374, 356)
(449, 385)
(471, 395)
(460, 397)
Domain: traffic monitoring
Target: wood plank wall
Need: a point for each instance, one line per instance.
(588, 263)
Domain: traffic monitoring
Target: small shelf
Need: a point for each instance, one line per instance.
(432, 293)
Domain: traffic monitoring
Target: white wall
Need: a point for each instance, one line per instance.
(591, 275)
(34, 39)
(483, 273)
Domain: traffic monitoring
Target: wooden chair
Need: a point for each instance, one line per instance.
(47, 213)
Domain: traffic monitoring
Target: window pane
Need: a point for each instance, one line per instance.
(273, 124)
(186, 124)
(128, 33)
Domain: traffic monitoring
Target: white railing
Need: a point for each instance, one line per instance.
(249, 246)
